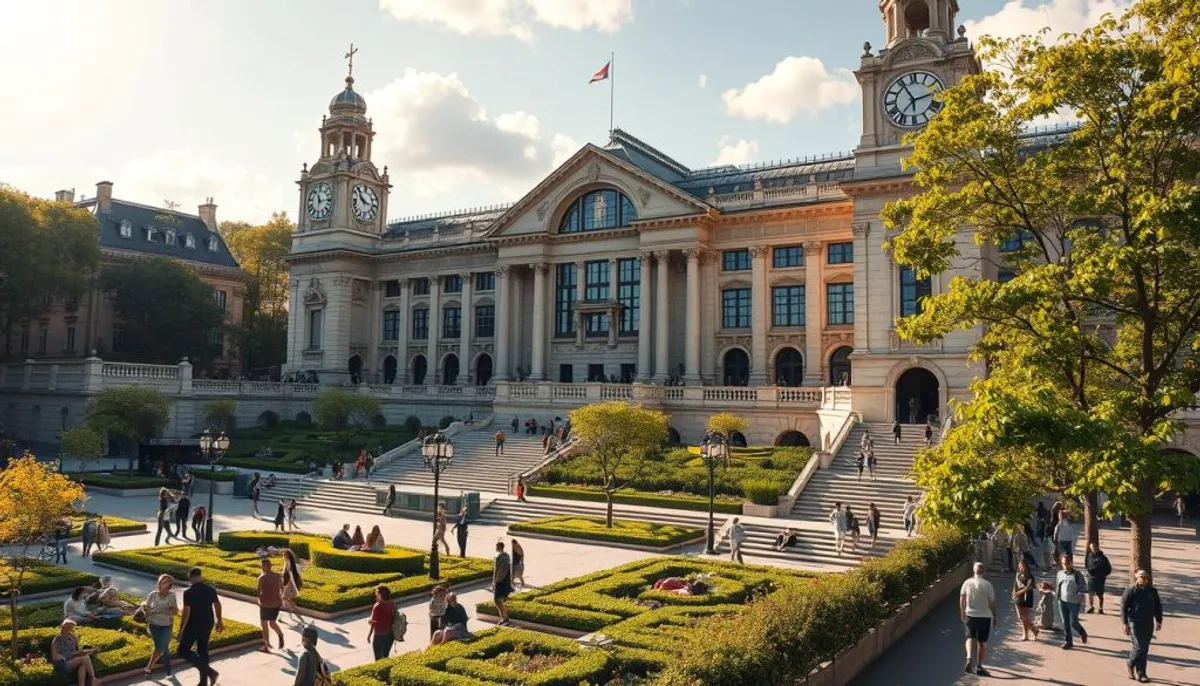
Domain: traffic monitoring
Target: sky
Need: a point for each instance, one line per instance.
(473, 101)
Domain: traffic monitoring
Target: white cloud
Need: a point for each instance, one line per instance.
(1019, 17)
(704, 80)
(739, 152)
(512, 17)
(798, 84)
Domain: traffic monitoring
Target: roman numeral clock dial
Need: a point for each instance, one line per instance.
(910, 101)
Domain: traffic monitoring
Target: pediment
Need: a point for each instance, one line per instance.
(541, 210)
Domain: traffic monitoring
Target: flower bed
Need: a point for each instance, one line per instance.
(628, 496)
(623, 530)
(43, 578)
(124, 644)
(233, 566)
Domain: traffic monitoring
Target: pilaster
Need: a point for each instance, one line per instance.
(644, 319)
(862, 285)
(691, 373)
(614, 323)
(433, 363)
(580, 292)
(502, 315)
(374, 332)
(760, 314)
(538, 371)
(814, 307)
(405, 327)
(466, 329)
(662, 337)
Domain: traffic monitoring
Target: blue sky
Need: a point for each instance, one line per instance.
(474, 100)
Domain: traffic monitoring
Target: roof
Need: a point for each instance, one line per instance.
(446, 221)
(143, 217)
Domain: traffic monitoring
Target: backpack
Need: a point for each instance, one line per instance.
(399, 624)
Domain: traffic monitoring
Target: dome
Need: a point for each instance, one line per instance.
(348, 101)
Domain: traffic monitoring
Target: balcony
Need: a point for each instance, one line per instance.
(749, 397)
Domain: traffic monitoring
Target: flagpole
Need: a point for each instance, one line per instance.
(612, 84)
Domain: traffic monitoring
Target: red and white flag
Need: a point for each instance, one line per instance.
(600, 75)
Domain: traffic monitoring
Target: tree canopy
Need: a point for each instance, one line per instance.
(1089, 247)
(133, 413)
(83, 443)
(221, 415)
(345, 413)
(618, 435)
(262, 251)
(727, 424)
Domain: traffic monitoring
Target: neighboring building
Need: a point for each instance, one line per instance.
(130, 231)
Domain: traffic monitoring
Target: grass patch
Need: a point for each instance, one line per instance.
(121, 481)
(116, 525)
(629, 496)
(292, 447)
(622, 531)
(42, 577)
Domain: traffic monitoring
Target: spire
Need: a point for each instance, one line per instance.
(350, 59)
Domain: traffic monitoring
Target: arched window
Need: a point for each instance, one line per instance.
(839, 366)
(598, 210)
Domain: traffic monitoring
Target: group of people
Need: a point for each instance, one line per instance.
(173, 516)
(866, 456)
(846, 525)
(93, 533)
(356, 542)
(557, 428)
(285, 512)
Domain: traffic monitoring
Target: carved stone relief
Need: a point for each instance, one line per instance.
(315, 295)
(911, 53)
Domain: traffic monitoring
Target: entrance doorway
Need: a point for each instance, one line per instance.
(450, 370)
(356, 365)
(916, 396)
(483, 370)
(737, 367)
(389, 370)
(420, 367)
(789, 368)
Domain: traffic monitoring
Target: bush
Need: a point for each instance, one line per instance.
(397, 560)
(120, 481)
(445, 422)
(42, 578)
(413, 423)
(628, 496)
(763, 491)
(623, 531)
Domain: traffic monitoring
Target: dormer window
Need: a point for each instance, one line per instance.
(213, 243)
(189, 242)
(126, 229)
(170, 237)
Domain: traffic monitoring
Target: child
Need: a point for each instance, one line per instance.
(1045, 607)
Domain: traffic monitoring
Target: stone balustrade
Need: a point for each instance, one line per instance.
(753, 397)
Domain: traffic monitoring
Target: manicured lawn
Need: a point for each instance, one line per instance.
(121, 481)
(123, 643)
(116, 525)
(629, 496)
(622, 531)
(333, 580)
(41, 578)
(292, 446)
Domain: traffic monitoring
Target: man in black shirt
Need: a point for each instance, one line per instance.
(182, 508)
(201, 614)
(1141, 613)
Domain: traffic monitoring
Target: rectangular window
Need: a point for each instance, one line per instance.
(315, 329)
(485, 321)
(596, 373)
(25, 339)
(391, 325)
(566, 373)
(43, 337)
(222, 299)
(840, 303)
(628, 372)
(70, 338)
(791, 256)
(152, 235)
(735, 308)
(564, 299)
(391, 289)
(452, 322)
(420, 325)
(453, 284)
(597, 325)
(736, 260)
(485, 281)
(1017, 242)
(170, 237)
(420, 286)
(787, 306)
(841, 253)
(596, 287)
(217, 340)
(913, 292)
(629, 293)
(118, 338)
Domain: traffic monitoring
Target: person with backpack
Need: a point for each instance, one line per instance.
(383, 613)
(311, 670)
(896, 431)
(500, 442)
(1098, 568)
(1069, 586)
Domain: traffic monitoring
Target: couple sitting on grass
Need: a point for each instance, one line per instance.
(373, 543)
(694, 584)
(89, 604)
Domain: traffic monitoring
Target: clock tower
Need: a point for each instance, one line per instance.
(924, 53)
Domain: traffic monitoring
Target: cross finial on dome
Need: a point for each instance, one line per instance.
(350, 57)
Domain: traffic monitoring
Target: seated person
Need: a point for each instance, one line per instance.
(673, 584)
(374, 542)
(68, 659)
(786, 539)
(266, 551)
(341, 540)
(76, 609)
(357, 542)
(270, 481)
(455, 621)
(107, 600)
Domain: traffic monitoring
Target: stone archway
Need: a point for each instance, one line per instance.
(839, 366)
(736, 365)
(483, 369)
(792, 439)
(673, 436)
(789, 367)
(267, 420)
(419, 368)
(737, 439)
(390, 369)
(356, 367)
(450, 370)
(917, 400)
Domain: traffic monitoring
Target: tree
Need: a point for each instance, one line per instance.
(1101, 237)
(47, 249)
(262, 251)
(34, 499)
(727, 424)
(85, 444)
(133, 413)
(618, 435)
(168, 311)
(345, 413)
(221, 415)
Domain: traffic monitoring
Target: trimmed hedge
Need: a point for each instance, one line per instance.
(116, 525)
(322, 553)
(267, 465)
(42, 578)
(119, 481)
(623, 531)
(628, 496)
(223, 475)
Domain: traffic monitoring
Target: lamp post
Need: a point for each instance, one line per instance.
(213, 448)
(438, 452)
(713, 449)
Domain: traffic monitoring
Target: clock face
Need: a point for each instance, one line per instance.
(909, 100)
(320, 201)
(364, 202)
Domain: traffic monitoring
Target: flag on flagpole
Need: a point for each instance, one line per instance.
(601, 75)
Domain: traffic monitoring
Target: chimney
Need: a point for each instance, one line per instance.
(64, 196)
(104, 196)
(208, 214)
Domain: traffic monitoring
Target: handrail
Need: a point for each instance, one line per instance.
(531, 474)
(788, 501)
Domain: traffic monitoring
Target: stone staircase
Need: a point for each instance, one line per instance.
(476, 465)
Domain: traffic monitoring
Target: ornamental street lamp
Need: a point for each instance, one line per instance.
(213, 449)
(438, 452)
(714, 449)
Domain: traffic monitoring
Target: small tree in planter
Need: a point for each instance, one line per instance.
(85, 444)
(134, 413)
(345, 413)
(221, 415)
(618, 435)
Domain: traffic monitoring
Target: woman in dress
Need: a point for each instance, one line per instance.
(1023, 590)
(291, 515)
(375, 541)
(160, 607)
(88, 535)
(255, 491)
(437, 608)
(439, 528)
(103, 539)
(518, 562)
(292, 583)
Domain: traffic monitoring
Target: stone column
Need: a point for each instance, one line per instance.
(538, 371)
(862, 283)
(433, 373)
(335, 337)
(814, 311)
(761, 316)
(580, 291)
(662, 332)
(502, 312)
(297, 327)
(691, 364)
(644, 321)
(466, 329)
(374, 332)
(614, 323)
(402, 338)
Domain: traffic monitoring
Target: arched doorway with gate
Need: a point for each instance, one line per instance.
(789, 367)
(356, 365)
(792, 439)
(736, 365)
(483, 370)
(839, 366)
(917, 393)
(419, 369)
(390, 367)
(450, 370)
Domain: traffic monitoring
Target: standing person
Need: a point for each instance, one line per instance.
(1069, 587)
(62, 536)
(910, 511)
(198, 523)
(1001, 541)
(103, 538)
(837, 519)
(291, 515)
(1064, 536)
(500, 442)
(1022, 544)
(860, 462)
(518, 563)
(501, 582)
(311, 670)
(369, 465)
(896, 431)
(515, 423)
(163, 520)
(872, 463)
(391, 500)
(737, 536)
(439, 527)
(280, 516)
(853, 527)
(270, 599)
(380, 635)
(255, 491)
(873, 518)
(360, 467)
(460, 530)
(200, 606)
(87, 534)
(292, 583)
(1022, 595)
(187, 483)
(437, 608)
(1042, 522)
(1141, 613)
(182, 509)
(1180, 506)
(928, 435)
(977, 611)
(160, 608)
(1098, 568)
(914, 410)
(521, 489)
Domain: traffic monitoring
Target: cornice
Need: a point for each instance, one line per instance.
(778, 214)
(199, 267)
(892, 185)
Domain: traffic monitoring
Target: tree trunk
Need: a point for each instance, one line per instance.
(1139, 531)
(1091, 525)
(16, 622)
(608, 499)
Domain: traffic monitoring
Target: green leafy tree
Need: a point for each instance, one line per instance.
(1104, 307)
(133, 413)
(168, 311)
(221, 415)
(83, 443)
(345, 413)
(262, 251)
(727, 424)
(47, 250)
(619, 436)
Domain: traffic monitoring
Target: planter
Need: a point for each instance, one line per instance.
(752, 510)
(201, 485)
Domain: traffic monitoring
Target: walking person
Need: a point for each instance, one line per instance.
(1064, 536)
(500, 442)
(896, 432)
(928, 435)
(87, 534)
(255, 491)
(437, 608)
(439, 527)
(737, 536)
(369, 465)
(872, 463)
(518, 563)
(1142, 615)
(1002, 541)
(360, 467)
(1098, 568)
(160, 608)
(311, 670)
(292, 583)
(1069, 586)
(460, 531)
(837, 519)
(103, 538)
(520, 490)
(501, 582)
(291, 515)
(853, 526)
(1021, 544)
(270, 600)
(62, 537)
(860, 462)
(977, 612)
(198, 523)
(1042, 517)
(914, 410)
(910, 512)
(1180, 507)
(380, 635)
(873, 518)
(391, 500)
(515, 424)
(183, 507)
(201, 614)
(163, 519)
(1022, 595)
(280, 516)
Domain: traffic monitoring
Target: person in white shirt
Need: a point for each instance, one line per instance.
(910, 516)
(977, 611)
(837, 518)
(1064, 536)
